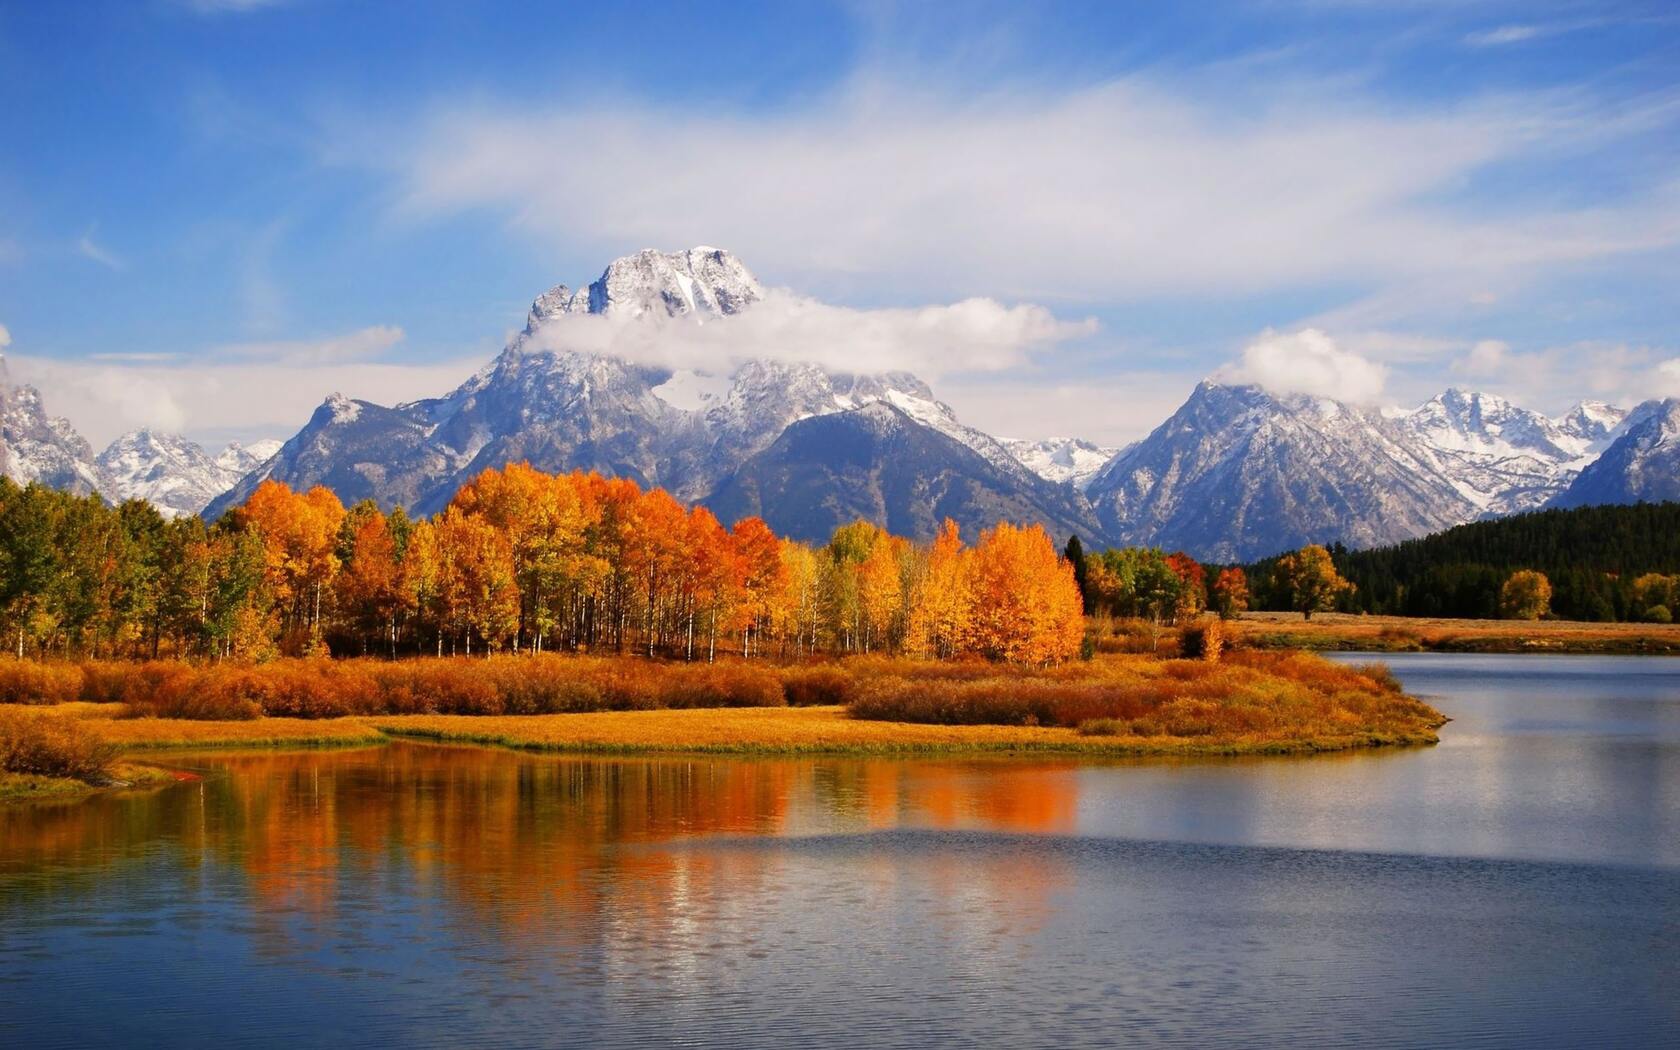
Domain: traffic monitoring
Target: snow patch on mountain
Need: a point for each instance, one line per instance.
(1063, 460)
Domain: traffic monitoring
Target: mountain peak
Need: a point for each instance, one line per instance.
(700, 282)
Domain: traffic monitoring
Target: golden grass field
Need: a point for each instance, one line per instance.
(776, 730)
(1341, 631)
(808, 730)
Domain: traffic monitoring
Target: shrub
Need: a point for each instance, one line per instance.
(30, 682)
(1382, 675)
(44, 745)
(1103, 727)
(106, 681)
(816, 686)
(1203, 640)
(1659, 614)
(720, 685)
(182, 691)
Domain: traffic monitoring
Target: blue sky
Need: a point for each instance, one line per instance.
(213, 213)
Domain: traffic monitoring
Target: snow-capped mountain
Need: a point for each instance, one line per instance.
(1641, 465)
(236, 460)
(37, 447)
(1502, 458)
(173, 474)
(1592, 421)
(1239, 473)
(1062, 460)
(686, 430)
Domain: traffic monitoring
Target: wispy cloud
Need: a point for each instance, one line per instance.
(89, 249)
(134, 357)
(1119, 191)
(224, 7)
(360, 345)
(1507, 34)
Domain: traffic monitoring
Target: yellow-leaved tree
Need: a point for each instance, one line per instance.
(1025, 605)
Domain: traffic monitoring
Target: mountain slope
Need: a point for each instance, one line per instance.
(877, 462)
(1641, 465)
(1238, 473)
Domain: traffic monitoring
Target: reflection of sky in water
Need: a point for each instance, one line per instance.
(439, 895)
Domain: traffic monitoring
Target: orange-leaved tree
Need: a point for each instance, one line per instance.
(1026, 606)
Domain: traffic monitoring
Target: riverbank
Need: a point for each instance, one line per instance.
(25, 787)
(1246, 704)
(766, 731)
(1340, 632)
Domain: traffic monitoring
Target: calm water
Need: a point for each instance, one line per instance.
(1517, 885)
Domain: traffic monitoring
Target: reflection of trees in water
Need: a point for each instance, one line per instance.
(541, 849)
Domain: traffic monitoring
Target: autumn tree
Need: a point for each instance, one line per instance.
(1230, 593)
(1191, 598)
(760, 574)
(1025, 605)
(371, 595)
(1525, 595)
(941, 608)
(299, 532)
(1310, 579)
(1654, 596)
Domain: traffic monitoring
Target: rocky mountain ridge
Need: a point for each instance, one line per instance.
(1235, 473)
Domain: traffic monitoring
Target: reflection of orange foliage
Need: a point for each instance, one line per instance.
(519, 844)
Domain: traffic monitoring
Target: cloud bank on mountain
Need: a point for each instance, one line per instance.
(974, 335)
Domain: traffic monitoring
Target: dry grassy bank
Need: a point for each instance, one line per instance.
(1343, 632)
(830, 730)
(1248, 703)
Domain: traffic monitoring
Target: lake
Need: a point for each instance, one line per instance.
(1517, 885)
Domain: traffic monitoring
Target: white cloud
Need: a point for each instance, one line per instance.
(1489, 357)
(975, 335)
(1307, 362)
(216, 7)
(1668, 378)
(1112, 409)
(5, 337)
(249, 390)
(1125, 189)
(354, 346)
(1507, 34)
(90, 250)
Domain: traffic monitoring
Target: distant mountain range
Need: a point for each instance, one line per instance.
(1235, 474)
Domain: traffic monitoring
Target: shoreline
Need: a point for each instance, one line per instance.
(780, 732)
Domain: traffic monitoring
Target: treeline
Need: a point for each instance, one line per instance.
(1147, 583)
(520, 560)
(1601, 563)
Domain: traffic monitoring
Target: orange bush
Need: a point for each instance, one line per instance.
(43, 745)
(29, 682)
(816, 686)
(1248, 694)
